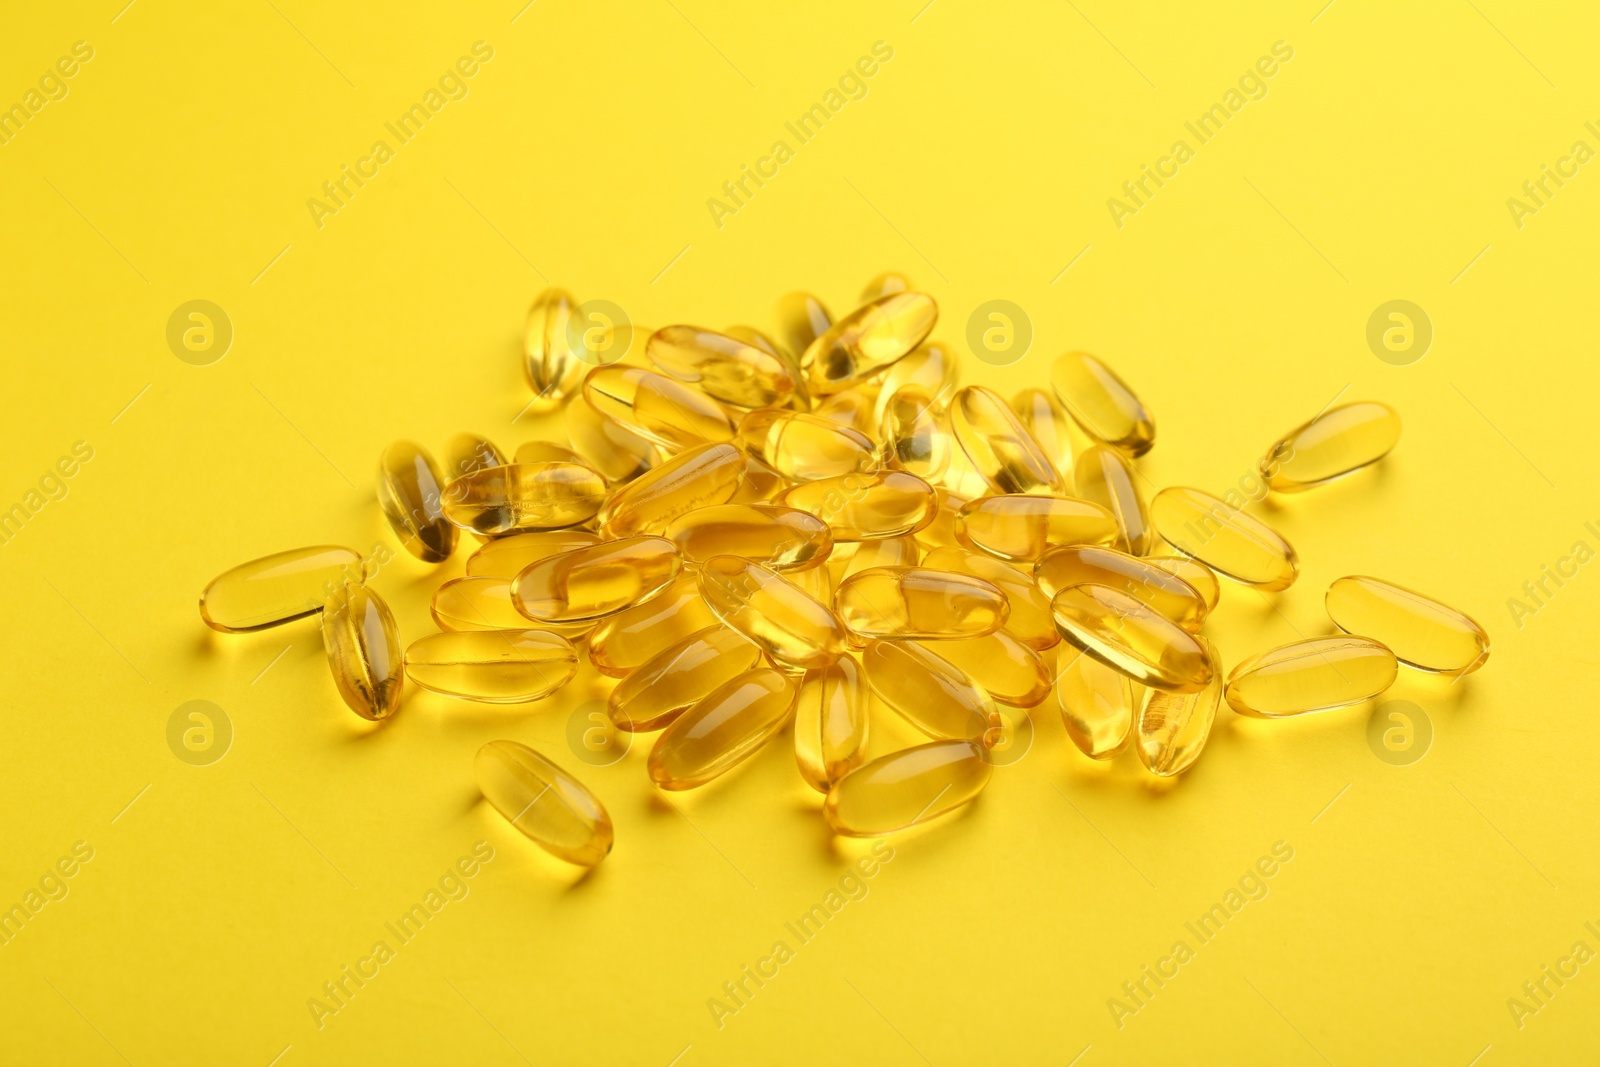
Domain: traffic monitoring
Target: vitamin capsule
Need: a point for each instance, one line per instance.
(552, 366)
(724, 367)
(680, 677)
(1199, 577)
(1421, 632)
(507, 557)
(467, 452)
(940, 532)
(1224, 538)
(607, 445)
(1173, 727)
(784, 539)
(547, 452)
(867, 340)
(546, 803)
(800, 398)
(524, 496)
(1105, 476)
(697, 478)
(631, 638)
(1156, 587)
(1046, 423)
(906, 788)
(999, 446)
(804, 447)
(888, 283)
(485, 604)
(931, 693)
(1030, 620)
(277, 588)
(410, 492)
(1312, 675)
(363, 649)
(1101, 404)
(919, 602)
(587, 584)
(1020, 527)
(728, 726)
(756, 339)
(914, 435)
(1338, 441)
(760, 484)
(1098, 705)
(931, 367)
(792, 626)
(668, 412)
(852, 408)
(1005, 668)
(492, 666)
(1126, 634)
(802, 318)
(881, 552)
(830, 723)
(860, 507)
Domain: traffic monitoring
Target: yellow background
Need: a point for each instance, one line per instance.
(980, 162)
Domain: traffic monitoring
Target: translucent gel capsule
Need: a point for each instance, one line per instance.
(1200, 577)
(1005, 668)
(792, 626)
(507, 557)
(524, 496)
(586, 584)
(363, 649)
(914, 435)
(679, 677)
(697, 478)
(467, 452)
(760, 484)
(1101, 404)
(484, 603)
(1421, 632)
(1338, 441)
(492, 666)
(1160, 589)
(546, 803)
(277, 588)
(802, 318)
(940, 532)
(1106, 477)
(1224, 538)
(830, 723)
(631, 638)
(607, 445)
(1046, 423)
(728, 726)
(919, 602)
(905, 788)
(1126, 634)
(931, 367)
(410, 492)
(805, 447)
(782, 538)
(852, 408)
(888, 283)
(725, 368)
(1098, 705)
(1030, 620)
(860, 507)
(1173, 727)
(799, 399)
(547, 452)
(882, 552)
(666, 411)
(1019, 527)
(999, 446)
(549, 361)
(1313, 675)
(930, 692)
(868, 340)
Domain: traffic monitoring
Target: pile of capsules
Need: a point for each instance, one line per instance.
(746, 532)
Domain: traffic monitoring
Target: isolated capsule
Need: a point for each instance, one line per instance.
(277, 588)
(1005, 668)
(860, 507)
(1127, 634)
(679, 677)
(661, 409)
(868, 340)
(931, 367)
(886, 284)
(1420, 631)
(1312, 675)
(547, 452)
(880, 552)
(1098, 705)
(931, 693)
(1105, 476)
(587, 584)
(906, 788)
(633, 637)
(552, 808)
(1336, 442)
(1047, 424)
(804, 447)
(782, 538)
(696, 478)
(1173, 727)
(484, 603)
(607, 445)
(531, 496)
(725, 368)
(919, 602)
(1201, 579)
(468, 452)
(1102, 404)
(1224, 538)
(507, 557)
(1030, 620)
(1000, 448)
(725, 728)
(914, 435)
(549, 359)
(363, 646)
(1170, 596)
(1024, 527)
(492, 666)
(802, 318)
(830, 723)
(792, 626)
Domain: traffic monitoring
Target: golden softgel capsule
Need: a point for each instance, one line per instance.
(931, 693)
(492, 666)
(853, 408)
(1201, 579)
(906, 788)
(1420, 631)
(632, 637)
(468, 452)
(1046, 423)
(484, 603)
(868, 340)
(879, 552)
(1102, 404)
(1173, 727)
(547, 804)
(886, 284)
(919, 602)
(1127, 634)
(1000, 447)
(1098, 705)
(1105, 476)
(802, 318)
(547, 452)
(913, 434)
(792, 626)
(728, 726)
(680, 677)
(725, 368)
(411, 494)
(549, 360)
(363, 647)
(1224, 538)
(507, 557)
(805, 447)
(940, 531)
(830, 723)
(1020, 528)
(607, 445)
(275, 589)
(666, 411)
(1313, 675)
(586, 584)
(697, 478)
(1171, 596)
(931, 367)
(782, 538)
(531, 496)
(1029, 621)
(1005, 668)
(862, 507)
(1338, 441)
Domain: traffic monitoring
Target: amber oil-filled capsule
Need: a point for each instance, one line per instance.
(1047, 424)
(549, 360)
(662, 409)
(363, 647)
(886, 284)
(531, 496)
(853, 408)
(679, 677)
(1169, 595)
(1098, 705)
(492, 666)
(547, 452)
(919, 602)
(1201, 579)
(1102, 404)
(1030, 620)
(906, 788)
(760, 484)
(868, 340)
(1338, 441)
(484, 603)
(1420, 631)
(805, 447)
(931, 367)
(1224, 538)
(1023, 527)
(802, 318)
(1173, 727)
(633, 637)
(1005, 668)
(507, 557)
(586, 584)
(860, 507)
(725, 728)
(830, 723)
(277, 588)
(607, 445)
(914, 435)
(697, 478)
(931, 693)
(1105, 476)
(800, 397)
(724, 367)
(999, 446)
(1127, 634)
(1311, 675)
(879, 552)
(782, 538)
(792, 626)
(547, 804)
(940, 532)
(468, 452)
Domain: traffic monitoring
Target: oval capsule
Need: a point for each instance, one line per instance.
(1199, 577)
(760, 484)
(931, 367)
(607, 445)
(1313, 675)
(1170, 596)
(1030, 620)
(696, 478)
(1024, 527)
(492, 666)
(658, 408)
(277, 588)
(880, 552)
(799, 399)
(587, 584)
(633, 637)
(1000, 447)
(507, 557)
(468, 452)
(1102, 404)
(549, 360)
(725, 368)
(782, 538)
(725, 728)
(531, 496)
(484, 603)
(802, 318)
(930, 693)
(792, 626)
(1005, 668)
(940, 532)
(867, 340)
(860, 507)
(679, 677)
(830, 723)
(805, 447)
(906, 788)
(852, 408)
(549, 806)
(1173, 727)
(1106, 477)
(1420, 631)
(363, 646)
(1336, 442)
(1224, 538)
(1126, 634)
(919, 602)
(886, 284)
(1046, 423)
(914, 435)
(1098, 705)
